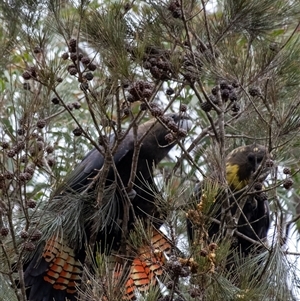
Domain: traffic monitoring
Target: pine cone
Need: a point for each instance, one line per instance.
(36, 235)
(29, 246)
(4, 231)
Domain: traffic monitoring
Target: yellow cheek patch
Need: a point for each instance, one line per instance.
(232, 177)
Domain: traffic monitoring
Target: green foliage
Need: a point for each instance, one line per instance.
(119, 48)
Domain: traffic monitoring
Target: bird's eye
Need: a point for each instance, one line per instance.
(251, 157)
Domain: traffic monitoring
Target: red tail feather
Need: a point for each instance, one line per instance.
(64, 270)
(148, 265)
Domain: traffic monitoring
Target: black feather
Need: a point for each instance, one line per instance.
(77, 213)
(254, 221)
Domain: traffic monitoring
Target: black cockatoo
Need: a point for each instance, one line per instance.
(80, 212)
(242, 164)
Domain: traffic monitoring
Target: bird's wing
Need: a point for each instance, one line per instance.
(92, 163)
(56, 267)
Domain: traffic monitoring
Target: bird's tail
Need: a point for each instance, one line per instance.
(56, 274)
(54, 271)
(148, 265)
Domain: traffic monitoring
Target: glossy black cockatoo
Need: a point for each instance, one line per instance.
(245, 165)
(82, 212)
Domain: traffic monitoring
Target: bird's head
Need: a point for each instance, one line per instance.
(164, 133)
(243, 162)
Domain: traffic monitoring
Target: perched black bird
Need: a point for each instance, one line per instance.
(82, 213)
(243, 167)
